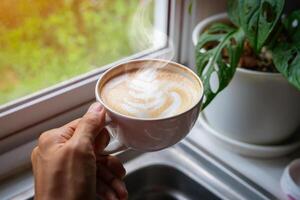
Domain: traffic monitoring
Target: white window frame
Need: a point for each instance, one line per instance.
(22, 121)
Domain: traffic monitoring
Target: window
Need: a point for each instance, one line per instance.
(55, 53)
(44, 43)
(51, 67)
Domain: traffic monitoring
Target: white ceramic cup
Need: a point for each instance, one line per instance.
(144, 134)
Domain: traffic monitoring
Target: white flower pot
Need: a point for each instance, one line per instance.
(256, 107)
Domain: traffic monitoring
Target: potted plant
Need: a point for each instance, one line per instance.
(256, 48)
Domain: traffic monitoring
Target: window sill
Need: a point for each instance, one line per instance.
(265, 173)
(19, 187)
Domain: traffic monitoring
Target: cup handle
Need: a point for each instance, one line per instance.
(114, 145)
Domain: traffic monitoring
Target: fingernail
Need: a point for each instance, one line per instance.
(95, 107)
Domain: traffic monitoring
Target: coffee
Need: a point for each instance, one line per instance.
(151, 91)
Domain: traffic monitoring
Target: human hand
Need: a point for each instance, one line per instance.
(67, 163)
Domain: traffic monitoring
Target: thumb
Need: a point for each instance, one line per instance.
(91, 124)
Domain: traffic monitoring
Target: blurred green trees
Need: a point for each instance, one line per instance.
(44, 42)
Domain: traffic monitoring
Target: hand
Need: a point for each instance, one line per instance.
(67, 163)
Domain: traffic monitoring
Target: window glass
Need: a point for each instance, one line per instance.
(44, 42)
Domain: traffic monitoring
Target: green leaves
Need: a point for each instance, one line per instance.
(286, 54)
(286, 58)
(256, 17)
(292, 26)
(259, 21)
(217, 55)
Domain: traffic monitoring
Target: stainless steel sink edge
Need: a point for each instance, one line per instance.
(201, 167)
(237, 182)
(170, 157)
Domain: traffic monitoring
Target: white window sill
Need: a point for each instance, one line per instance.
(266, 173)
(19, 187)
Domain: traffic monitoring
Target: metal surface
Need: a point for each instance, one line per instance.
(183, 172)
(161, 182)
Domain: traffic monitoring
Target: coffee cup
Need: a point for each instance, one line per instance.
(144, 116)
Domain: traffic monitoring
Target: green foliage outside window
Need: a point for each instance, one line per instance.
(44, 42)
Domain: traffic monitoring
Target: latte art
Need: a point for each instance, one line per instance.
(151, 92)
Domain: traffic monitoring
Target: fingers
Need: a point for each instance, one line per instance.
(101, 141)
(34, 157)
(58, 135)
(73, 124)
(90, 124)
(114, 164)
(119, 188)
(110, 171)
(67, 131)
(105, 176)
(105, 192)
(47, 139)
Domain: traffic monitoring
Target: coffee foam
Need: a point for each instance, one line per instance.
(151, 92)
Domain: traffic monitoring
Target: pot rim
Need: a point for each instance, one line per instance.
(223, 16)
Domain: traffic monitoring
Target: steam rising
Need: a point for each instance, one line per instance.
(144, 32)
(144, 87)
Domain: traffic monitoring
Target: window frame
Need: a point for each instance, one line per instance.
(22, 121)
